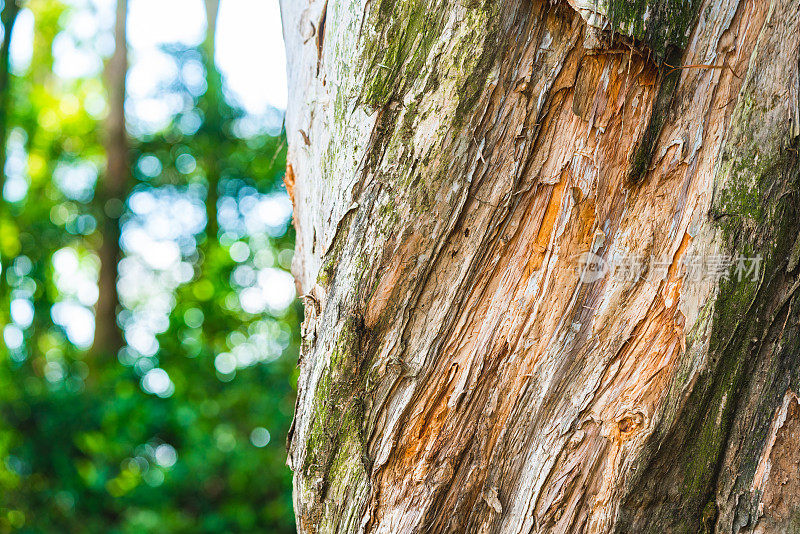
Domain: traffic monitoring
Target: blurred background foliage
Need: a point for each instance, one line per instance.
(170, 413)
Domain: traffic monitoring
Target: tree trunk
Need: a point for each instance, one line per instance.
(460, 170)
(8, 16)
(108, 337)
(213, 99)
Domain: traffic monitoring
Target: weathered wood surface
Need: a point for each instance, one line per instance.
(450, 161)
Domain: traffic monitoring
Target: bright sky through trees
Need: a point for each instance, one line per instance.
(245, 29)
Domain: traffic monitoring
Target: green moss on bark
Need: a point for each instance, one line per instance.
(401, 37)
(658, 24)
(338, 412)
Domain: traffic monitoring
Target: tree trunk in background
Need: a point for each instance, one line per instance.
(449, 162)
(8, 17)
(108, 337)
(213, 122)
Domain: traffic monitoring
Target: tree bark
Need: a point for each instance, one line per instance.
(113, 189)
(452, 163)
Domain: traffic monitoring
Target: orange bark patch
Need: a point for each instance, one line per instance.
(546, 229)
(777, 475)
(288, 181)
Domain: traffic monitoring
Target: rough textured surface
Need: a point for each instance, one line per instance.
(450, 161)
(659, 25)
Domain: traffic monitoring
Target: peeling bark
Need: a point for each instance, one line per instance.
(450, 163)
